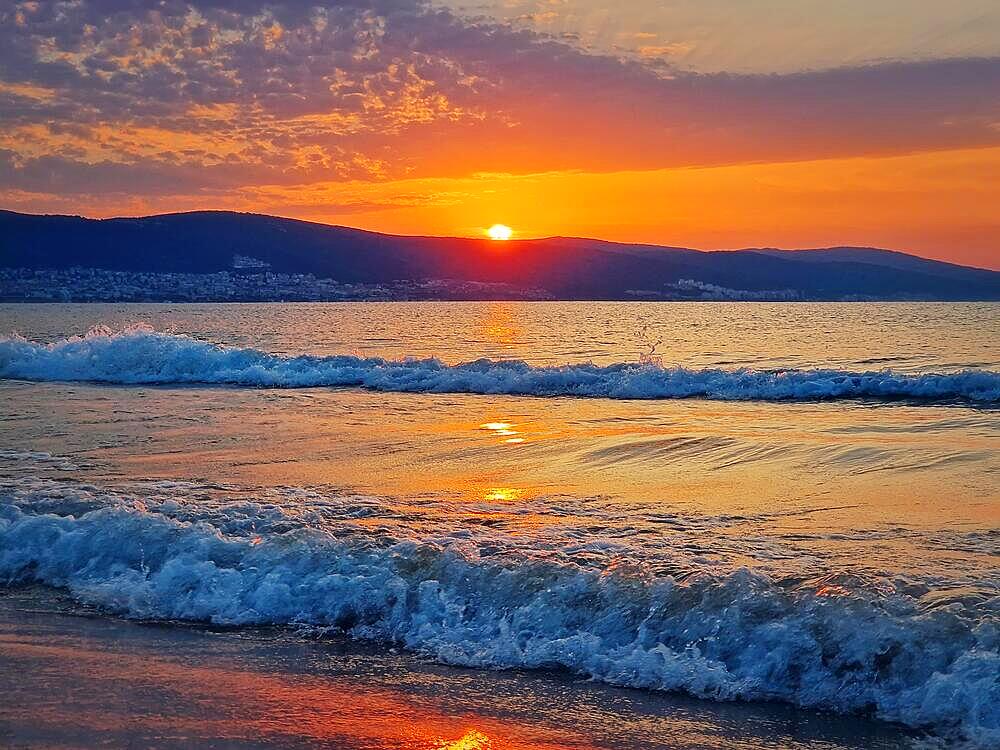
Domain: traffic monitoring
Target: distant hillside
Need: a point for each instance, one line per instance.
(566, 268)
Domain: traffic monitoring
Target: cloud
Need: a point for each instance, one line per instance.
(115, 96)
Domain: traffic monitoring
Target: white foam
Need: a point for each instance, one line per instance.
(38, 458)
(738, 635)
(143, 356)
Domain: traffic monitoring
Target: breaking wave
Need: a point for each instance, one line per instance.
(143, 356)
(834, 644)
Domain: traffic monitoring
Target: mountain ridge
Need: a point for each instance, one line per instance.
(203, 242)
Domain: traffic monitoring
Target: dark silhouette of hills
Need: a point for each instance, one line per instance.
(568, 268)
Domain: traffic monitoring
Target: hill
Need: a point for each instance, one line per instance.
(214, 242)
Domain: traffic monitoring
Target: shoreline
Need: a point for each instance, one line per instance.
(75, 677)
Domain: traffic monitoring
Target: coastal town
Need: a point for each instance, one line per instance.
(80, 284)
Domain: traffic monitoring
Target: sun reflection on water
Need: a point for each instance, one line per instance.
(502, 494)
(496, 426)
(471, 740)
(499, 326)
(504, 430)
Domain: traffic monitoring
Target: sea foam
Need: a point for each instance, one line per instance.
(144, 356)
(741, 635)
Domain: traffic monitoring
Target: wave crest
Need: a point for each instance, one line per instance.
(140, 355)
(833, 643)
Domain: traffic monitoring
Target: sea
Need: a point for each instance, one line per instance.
(787, 507)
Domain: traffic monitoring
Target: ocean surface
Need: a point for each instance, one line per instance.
(787, 503)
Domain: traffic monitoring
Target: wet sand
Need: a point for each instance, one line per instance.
(74, 678)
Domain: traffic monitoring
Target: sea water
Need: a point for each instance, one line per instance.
(791, 502)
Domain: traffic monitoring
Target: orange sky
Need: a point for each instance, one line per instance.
(563, 118)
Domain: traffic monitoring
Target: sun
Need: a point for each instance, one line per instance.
(500, 232)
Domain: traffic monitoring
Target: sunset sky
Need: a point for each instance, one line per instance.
(703, 123)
